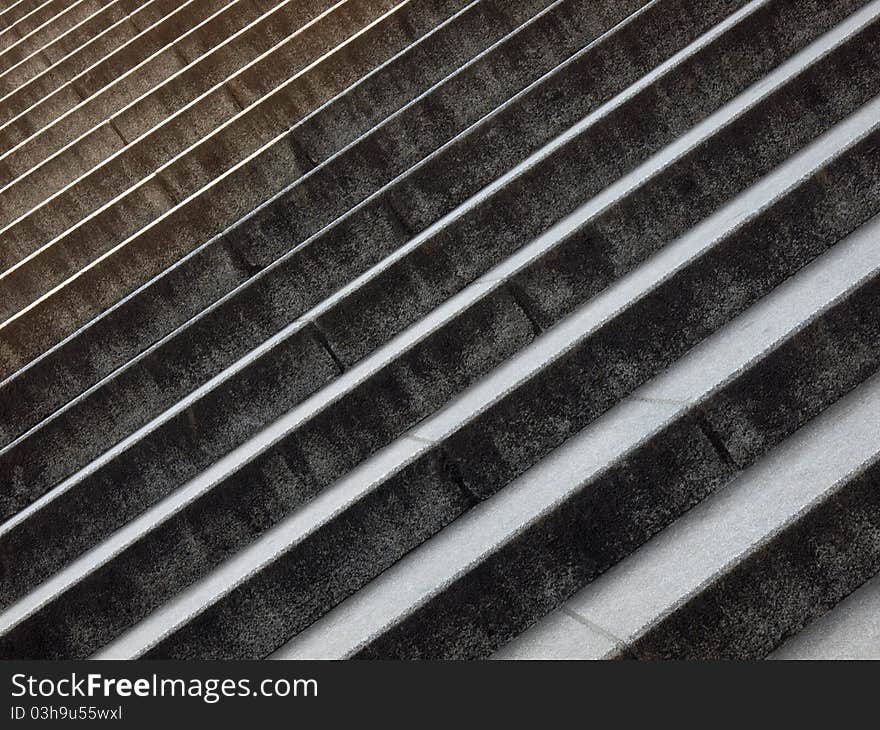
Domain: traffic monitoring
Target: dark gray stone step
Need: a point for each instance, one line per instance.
(607, 490)
(573, 387)
(159, 302)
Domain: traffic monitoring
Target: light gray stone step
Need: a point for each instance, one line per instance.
(850, 630)
(601, 494)
(787, 540)
(365, 217)
(32, 174)
(541, 396)
(94, 432)
(151, 56)
(520, 552)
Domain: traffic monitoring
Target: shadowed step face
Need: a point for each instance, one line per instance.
(436, 328)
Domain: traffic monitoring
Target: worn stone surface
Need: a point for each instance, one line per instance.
(196, 118)
(405, 329)
(324, 447)
(50, 29)
(618, 512)
(284, 225)
(148, 51)
(59, 61)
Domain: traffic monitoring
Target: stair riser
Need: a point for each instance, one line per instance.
(223, 520)
(142, 386)
(782, 585)
(611, 516)
(160, 66)
(659, 481)
(288, 291)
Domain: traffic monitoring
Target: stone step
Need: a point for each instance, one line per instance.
(847, 631)
(290, 306)
(69, 43)
(582, 368)
(34, 173)
(519, 556)
(150, 57)
(753, 564)
(24, 21)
